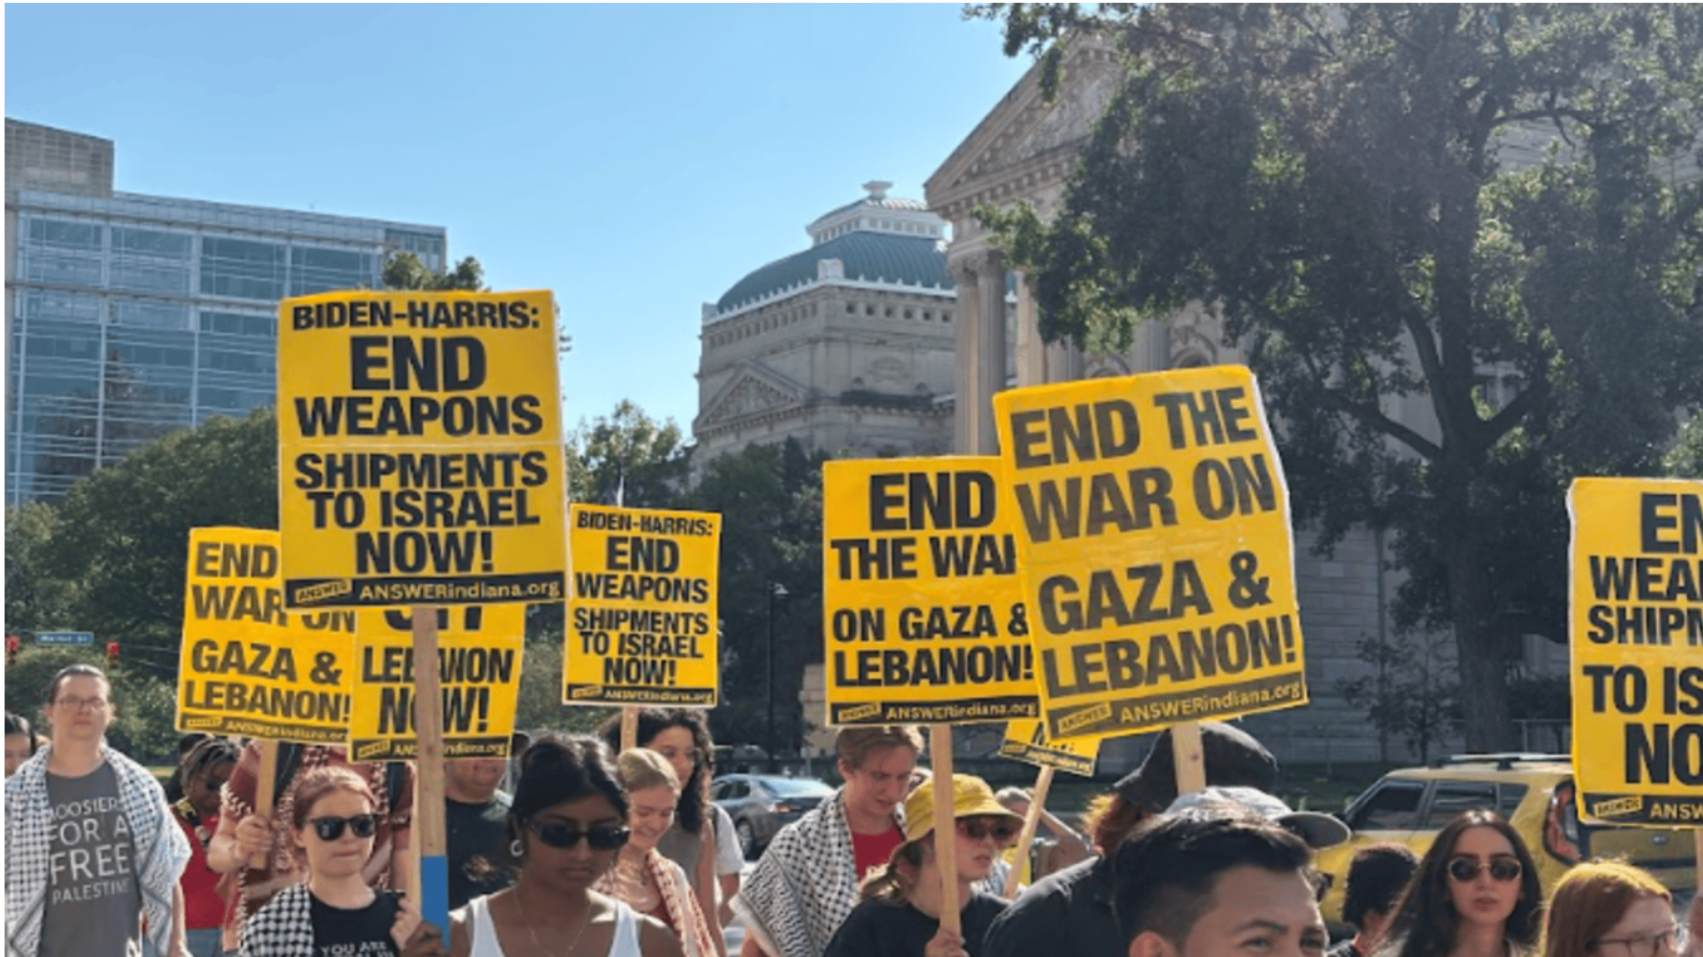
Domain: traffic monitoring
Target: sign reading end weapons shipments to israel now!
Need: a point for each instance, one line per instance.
(1155, 549)
(1027, 741)
(479, 665)
(923, 618)
(642, 618)
(1636, 629)
(421, 459)
(249, 667)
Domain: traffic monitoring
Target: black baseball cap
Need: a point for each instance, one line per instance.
(1234, 758)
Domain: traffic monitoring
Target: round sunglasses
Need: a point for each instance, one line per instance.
(602, 837)
(331, 828)
(1502, 869)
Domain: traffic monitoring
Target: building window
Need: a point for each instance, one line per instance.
(241, 268)
(909, 314)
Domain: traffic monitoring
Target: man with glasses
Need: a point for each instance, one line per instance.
(92, 852)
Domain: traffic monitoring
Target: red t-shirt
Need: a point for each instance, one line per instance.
(870, 851)
(203, 908)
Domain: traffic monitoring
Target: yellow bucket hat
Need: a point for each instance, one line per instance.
(971, 797)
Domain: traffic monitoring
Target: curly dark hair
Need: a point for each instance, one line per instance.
(1426, 921)
(654, 721)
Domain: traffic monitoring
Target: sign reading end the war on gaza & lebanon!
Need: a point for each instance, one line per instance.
(1154, 550)
(420, 449)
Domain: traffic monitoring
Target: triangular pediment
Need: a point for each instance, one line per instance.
(753, 390)
(1025, 139)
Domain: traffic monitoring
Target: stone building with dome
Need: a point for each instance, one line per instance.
(849, 346)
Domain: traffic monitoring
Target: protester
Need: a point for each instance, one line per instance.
(642, 878)
(1202, 884)
(203, 769)
(185, 744)
(1069, 914)
(20, 742)
(1317, 830)
(901, 903)
(1377, 875)
(807, 880)
(566, 824)
(91, 851)
(1610, 909)
(332, 823)
(476, 819)
(243, 834)
(1046, 855)
(683, 737)
(1476, 894)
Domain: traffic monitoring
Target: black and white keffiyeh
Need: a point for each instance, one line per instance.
(806, 883)
(162, 850)
(283, 928)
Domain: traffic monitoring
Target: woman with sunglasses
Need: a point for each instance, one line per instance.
(332, 828)
(1476, 894)
(1611, 909)
(642, 878)
(203, 771)
(899, 915)
(567, 822)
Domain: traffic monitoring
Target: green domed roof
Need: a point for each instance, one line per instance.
(867, 256)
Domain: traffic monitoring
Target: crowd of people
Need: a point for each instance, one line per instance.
(576, 848)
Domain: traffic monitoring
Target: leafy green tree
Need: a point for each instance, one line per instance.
(123, 532)
(1337, 182)
(630, 456)
(1684, 460)
(404, 270)
(36, 599)
(770, 500)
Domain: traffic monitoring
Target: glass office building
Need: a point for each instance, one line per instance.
(130, 315)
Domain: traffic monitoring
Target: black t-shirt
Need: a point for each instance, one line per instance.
(903, 931)
(1067, 914)
(355, 933)
(476, 830)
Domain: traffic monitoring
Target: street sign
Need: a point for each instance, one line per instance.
(64, 638)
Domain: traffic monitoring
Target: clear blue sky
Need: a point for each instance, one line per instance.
(637, 160)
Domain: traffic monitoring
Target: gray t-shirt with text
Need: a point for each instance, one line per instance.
(94, 902)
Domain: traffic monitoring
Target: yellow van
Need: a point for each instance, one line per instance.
(1533, 791)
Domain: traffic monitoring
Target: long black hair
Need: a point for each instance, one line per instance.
(654, 721)
(1426, 921)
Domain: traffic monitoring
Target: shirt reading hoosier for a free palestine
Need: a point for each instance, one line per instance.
(94, 903)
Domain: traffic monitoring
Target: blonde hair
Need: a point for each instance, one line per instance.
(642, 769)
(854, 744)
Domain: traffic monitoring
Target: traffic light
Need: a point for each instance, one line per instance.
(13, 646)
(112, 654)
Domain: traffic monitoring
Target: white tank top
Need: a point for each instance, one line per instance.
(625, 944)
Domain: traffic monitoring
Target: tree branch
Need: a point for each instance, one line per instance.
(1370, 415)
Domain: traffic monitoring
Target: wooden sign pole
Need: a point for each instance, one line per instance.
(945, 826)
(265, 796)
(1188, 756)
(1037, 803)
(431, 844)
(630, 729)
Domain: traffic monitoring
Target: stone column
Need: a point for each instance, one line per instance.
(967, 320)
(990, 275)
(1032, 353)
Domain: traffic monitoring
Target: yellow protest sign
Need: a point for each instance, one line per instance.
(1154, 541)
(1027, 741)
(479, 666)
(248, 667)
(421, 456)
(1636, 630)
(642, 619)
(922, 614)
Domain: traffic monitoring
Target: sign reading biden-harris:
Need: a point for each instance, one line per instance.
(1155, 550)
(421, 449)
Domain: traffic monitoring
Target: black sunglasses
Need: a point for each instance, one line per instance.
(1502, 869)
(978, 830)
(331, 828)
(603, 837)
